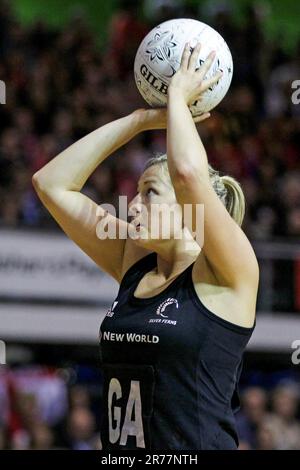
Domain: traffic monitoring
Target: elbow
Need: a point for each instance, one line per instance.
(41, 184)
(185, 175)
(182, 173)
(45, 191)
(37, 182)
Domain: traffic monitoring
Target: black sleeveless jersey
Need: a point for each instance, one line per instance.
(170, 369)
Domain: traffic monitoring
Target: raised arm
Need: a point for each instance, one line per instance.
(226, 247)
(60, 181)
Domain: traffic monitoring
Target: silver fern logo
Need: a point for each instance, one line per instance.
(162, 307)
(161, 48)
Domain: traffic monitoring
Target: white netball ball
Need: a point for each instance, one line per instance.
(159, 55)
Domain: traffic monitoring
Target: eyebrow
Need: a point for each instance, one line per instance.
(147, 180)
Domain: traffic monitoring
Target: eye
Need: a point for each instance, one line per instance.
(149, 190)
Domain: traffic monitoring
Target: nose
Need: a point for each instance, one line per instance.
(135, 206)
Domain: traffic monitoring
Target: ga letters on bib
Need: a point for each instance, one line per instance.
(127, 412)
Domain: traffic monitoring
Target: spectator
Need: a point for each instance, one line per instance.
(265, 436)
(46, 112)
(41, 437)
(254, 411)
(283, 421)
(81, 429)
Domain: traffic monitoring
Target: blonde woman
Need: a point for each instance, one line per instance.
(173, 340)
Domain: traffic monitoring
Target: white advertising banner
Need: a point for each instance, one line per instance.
(37, 265)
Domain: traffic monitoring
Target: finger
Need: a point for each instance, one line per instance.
(202, 117)
(194, 57)
(207, 64)
(158, 112)
(161, 110)
(185, 57)
(139, 110)
(211, 81)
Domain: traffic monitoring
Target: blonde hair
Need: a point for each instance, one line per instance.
(227, 188)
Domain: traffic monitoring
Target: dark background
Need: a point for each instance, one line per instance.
(68, 67)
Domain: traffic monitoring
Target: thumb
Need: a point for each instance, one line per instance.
(202, 117)
(139, 110)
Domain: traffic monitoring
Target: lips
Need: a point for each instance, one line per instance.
(137, 225)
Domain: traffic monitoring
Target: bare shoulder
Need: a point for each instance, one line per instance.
(236, 305)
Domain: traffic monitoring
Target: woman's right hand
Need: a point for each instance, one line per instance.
(156, 118)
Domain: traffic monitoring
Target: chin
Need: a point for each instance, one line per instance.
(141, 240)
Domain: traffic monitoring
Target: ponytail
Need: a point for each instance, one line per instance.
(230, 192)
(235, 199)
(227, 188)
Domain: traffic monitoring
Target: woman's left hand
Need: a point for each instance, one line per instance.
(190, 82)
(156, 118)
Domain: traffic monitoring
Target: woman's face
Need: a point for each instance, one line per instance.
(156, 215)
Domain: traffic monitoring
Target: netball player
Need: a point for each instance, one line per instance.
(173, 340)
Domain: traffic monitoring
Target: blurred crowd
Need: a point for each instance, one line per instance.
(61, 85)
(270, 421)
(41, 408)
(40, 411)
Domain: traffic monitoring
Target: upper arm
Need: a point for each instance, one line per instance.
(81, 219)
(226, 246)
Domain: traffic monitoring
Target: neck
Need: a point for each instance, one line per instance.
(175, 256)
